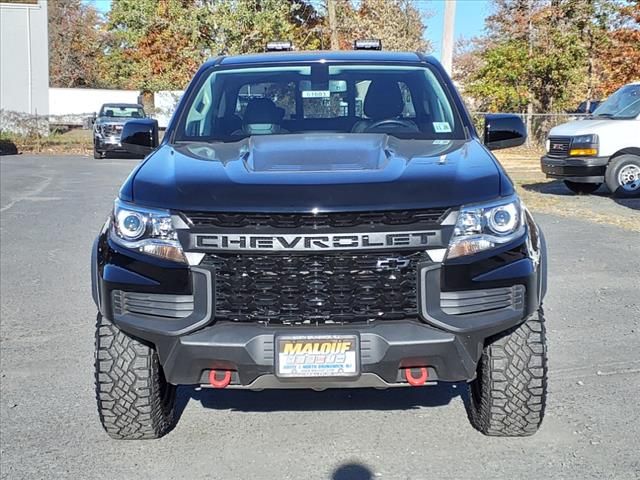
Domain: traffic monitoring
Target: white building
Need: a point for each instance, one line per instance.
(24, 57)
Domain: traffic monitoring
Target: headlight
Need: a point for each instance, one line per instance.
(584, 139)
(148, 231)
(584, 146)
(483, 227)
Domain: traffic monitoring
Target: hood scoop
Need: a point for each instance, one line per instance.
(316, 153)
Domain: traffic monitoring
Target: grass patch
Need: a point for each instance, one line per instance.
(71, 141)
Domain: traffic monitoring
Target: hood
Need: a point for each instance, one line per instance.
(582, 127)
(327, 172)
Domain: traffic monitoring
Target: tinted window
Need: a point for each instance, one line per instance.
(405, 101)
(624, 103)
(121, 112)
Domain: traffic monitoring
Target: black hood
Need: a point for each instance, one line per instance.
(327, 172)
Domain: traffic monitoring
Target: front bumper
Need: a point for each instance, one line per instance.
(108, 144)
(385, 349)
(443, 337)
(575, 169)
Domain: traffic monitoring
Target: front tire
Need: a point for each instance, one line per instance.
(623, 176)
(508, 397)
(582, 188)
(97, 154)
(134, 399)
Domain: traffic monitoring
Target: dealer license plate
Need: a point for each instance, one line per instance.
(303, 356)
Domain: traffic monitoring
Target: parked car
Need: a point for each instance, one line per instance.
(108, 124)
(286, 241)
(604, 148)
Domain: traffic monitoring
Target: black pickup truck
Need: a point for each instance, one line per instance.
(320, 220)
(107, 127)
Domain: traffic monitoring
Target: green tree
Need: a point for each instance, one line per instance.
(548, 55)
(158, 44)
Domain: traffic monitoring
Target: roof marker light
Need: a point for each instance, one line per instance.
(280, 46)
(369, 44)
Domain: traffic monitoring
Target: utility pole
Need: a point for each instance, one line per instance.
(333, 25)
(529, 122)
(447, 35)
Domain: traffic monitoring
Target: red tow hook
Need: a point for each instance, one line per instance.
(419, 380)
(223, 382)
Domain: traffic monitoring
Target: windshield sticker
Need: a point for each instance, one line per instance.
(441, 142)
(316, 94)
(441, 127)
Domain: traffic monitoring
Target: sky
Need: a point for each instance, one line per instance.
(470, 15)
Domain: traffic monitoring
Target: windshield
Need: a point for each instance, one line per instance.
(405, 101)
(120, 111)
(624, 103)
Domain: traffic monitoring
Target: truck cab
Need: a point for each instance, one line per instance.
(604, 148)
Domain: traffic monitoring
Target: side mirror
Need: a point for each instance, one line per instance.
(503, 130)
(140, 137)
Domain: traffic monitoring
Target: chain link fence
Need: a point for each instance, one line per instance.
(34, 128)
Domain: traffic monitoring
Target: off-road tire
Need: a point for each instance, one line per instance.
(134, 399)
(582, 188)
(97, 155)
(508, 397)
(612, 174)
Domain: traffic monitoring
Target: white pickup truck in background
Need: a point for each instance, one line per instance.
(604, 148)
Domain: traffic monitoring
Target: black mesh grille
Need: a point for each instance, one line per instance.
(317, 221)
(312, 289)
(559, 147)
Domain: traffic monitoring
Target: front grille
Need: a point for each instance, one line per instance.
(111, 129)
(258, 221)
(315, 289)
(559, 147)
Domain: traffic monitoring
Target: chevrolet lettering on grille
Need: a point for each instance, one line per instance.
(302, 243)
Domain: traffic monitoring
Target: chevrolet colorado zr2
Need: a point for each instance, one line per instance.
(320, 220)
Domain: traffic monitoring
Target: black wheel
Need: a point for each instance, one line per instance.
(134, 399)
(97, 154)
(582, 188)
(623, 176)
(508, 397)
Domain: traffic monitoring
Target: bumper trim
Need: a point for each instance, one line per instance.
(489, 322)
(366, 380)
(149, 325)
(577, 169)
(248, 350)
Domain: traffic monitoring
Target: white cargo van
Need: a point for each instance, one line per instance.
(603, 148)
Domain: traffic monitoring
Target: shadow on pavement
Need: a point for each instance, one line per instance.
(120, 156)
(557, 187)
(310, 400)
(352, 471)
(7, 147)
(632, 203)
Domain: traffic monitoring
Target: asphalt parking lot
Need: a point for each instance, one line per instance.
(50, 211)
